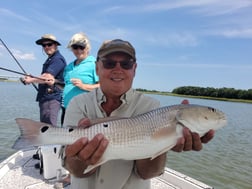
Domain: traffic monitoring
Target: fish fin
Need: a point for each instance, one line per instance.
(164, 132)
(106, 119)
(29, 131)
(163, 151)
(91, 167)
(171, 134)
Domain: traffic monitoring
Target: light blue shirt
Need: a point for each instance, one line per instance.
(85, 71)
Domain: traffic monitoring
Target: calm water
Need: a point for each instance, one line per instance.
(224, 163)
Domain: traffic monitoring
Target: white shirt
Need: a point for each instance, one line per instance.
(115, 174)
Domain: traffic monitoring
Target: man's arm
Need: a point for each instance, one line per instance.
(46, 78)
(147, 168)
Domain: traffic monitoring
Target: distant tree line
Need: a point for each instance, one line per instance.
(145, 90)
(214, 92)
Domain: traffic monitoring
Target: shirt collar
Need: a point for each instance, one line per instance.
(125, 98)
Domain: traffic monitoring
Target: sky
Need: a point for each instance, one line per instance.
(205, 43)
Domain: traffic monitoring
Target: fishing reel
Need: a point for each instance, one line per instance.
(22, 80)
(50, 90)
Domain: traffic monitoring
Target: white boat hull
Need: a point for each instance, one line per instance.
(18, 172)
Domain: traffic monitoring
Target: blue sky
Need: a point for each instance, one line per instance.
(206, 43)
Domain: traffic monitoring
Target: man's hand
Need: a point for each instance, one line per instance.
(27, 79)
(83, 153)
(45, 78)
(191, 141)
(48, 79)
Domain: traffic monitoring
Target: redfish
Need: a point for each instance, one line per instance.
(143, 136)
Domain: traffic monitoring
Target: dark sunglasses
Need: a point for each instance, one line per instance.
(47, 44)
(75, 47)
(110, 64)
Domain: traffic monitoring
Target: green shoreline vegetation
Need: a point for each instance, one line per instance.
(192, 94)
(7, 80)
(198, 96)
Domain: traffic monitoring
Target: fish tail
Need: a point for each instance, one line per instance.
(29, 131)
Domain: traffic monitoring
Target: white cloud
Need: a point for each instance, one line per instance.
(23, 56)
(173, 39)
(208, 7)
(11, 14)
(198, 65)
(17, 54)
(235, 32)
(240, 33)
(227, 7)
(163, 6)
(113, 9)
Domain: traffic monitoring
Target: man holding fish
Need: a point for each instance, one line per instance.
(116, 66)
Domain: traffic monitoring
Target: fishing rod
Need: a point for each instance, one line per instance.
(17, 64)
(58, 83)
(20, 73)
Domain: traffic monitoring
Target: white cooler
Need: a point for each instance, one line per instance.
(51, 162)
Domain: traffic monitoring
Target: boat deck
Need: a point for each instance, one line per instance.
(18, 172)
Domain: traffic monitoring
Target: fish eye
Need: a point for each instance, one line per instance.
(44, 129)
(105, 125)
